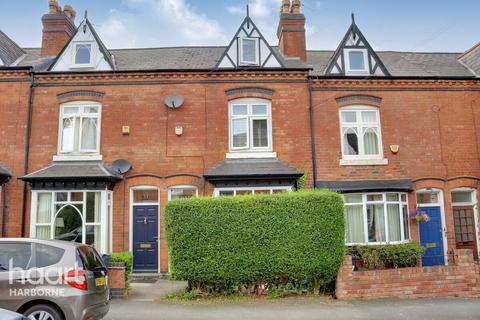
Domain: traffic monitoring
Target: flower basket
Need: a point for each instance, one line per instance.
(419, 215)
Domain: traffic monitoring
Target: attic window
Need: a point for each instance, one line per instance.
(249, 51)
(83, 54)
(356, 61)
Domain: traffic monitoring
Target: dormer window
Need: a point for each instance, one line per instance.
(249, 51)
(356, 61)
(82, 57)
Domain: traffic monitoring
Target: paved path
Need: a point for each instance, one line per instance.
(146, 303)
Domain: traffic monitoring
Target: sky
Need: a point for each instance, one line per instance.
(399, 25)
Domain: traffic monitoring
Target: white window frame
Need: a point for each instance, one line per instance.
(216, 192)
(79, 117)
(249, 102)
(474, 205)
(359, 126)
(105, 225)
(181, 187)
(257, 54)
(92, 54)
(350, 71)
(385, 203)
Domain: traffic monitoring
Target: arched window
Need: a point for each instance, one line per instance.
(360, 132)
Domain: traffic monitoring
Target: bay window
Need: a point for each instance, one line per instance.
(79, 131)
(376, 218)
(360, 133)
(250, 125)
(77, 216)
(241, 191)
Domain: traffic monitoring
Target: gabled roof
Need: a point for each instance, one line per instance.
(268, 58)
(471, 59)
(10, 52)
(403, 64)
(354, 39)
(82, 28)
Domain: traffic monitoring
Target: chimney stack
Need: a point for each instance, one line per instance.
(291, 30)
(58, 28)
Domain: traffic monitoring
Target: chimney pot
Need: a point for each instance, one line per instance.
(296, 6)
(53, 6)
(70, 12)
(285, 8)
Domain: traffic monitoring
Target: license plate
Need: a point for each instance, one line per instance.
(100, 282)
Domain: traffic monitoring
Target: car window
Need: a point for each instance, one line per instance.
(91, 259)
(15, 255)
(46, 255)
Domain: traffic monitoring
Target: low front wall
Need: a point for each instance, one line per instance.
(461, 279)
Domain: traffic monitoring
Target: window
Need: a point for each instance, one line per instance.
(360, 132)
(83, 54)
(145, 196)
(180, 192)
(17, 255)
(219, 192)
(465, 197)
(376, 218)
(77, 216)
(79, 128)
(249, 51)
(250, 125)
(356, 61)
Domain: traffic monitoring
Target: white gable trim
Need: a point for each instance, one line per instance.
(233, 55)
(84, 35)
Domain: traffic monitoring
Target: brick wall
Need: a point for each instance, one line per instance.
(13, 118)
(461, 279)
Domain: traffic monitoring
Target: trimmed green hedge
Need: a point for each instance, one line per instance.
(389, 256)
(227, 242)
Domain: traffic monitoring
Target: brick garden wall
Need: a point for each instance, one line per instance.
(461, 279)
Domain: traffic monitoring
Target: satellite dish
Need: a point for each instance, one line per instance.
(121, 166)
(174, 101)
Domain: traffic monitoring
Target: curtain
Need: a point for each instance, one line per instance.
(93, 207)
(44, 215)
(406, 230)
(68, 136)
(89, 133)
(260, 133)
(248, 50)
(394, 228)
(350, 142)
(370, 141)
(354, 224)
(376, 223)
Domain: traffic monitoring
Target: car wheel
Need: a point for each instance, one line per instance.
(43, 312)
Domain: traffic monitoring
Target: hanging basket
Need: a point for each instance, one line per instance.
(419, 216)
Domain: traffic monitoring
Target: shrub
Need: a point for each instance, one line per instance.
(389, 256)
(247, 243)
(127, 258)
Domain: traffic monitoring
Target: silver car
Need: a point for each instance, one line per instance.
(52, 280)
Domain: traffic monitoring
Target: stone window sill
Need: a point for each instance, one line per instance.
(77, 157)
(364, 162)
(250, 155)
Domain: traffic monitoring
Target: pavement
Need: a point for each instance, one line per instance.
(146, 302)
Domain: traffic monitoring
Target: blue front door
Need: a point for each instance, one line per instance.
(431, 238)
(145, 238)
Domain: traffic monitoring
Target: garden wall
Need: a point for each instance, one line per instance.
(461, 279)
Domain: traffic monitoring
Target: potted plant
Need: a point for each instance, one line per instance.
(419, 215)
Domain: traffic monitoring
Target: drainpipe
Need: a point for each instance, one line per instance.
(312, 133)
(4, 210)
(27, 148)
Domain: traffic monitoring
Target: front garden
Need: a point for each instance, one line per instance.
(292, 242)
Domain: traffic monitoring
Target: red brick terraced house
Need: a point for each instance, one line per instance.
(94, 142)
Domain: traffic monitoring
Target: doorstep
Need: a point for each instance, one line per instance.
(147, 277)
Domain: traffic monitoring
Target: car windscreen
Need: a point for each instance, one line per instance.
(90, 258)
